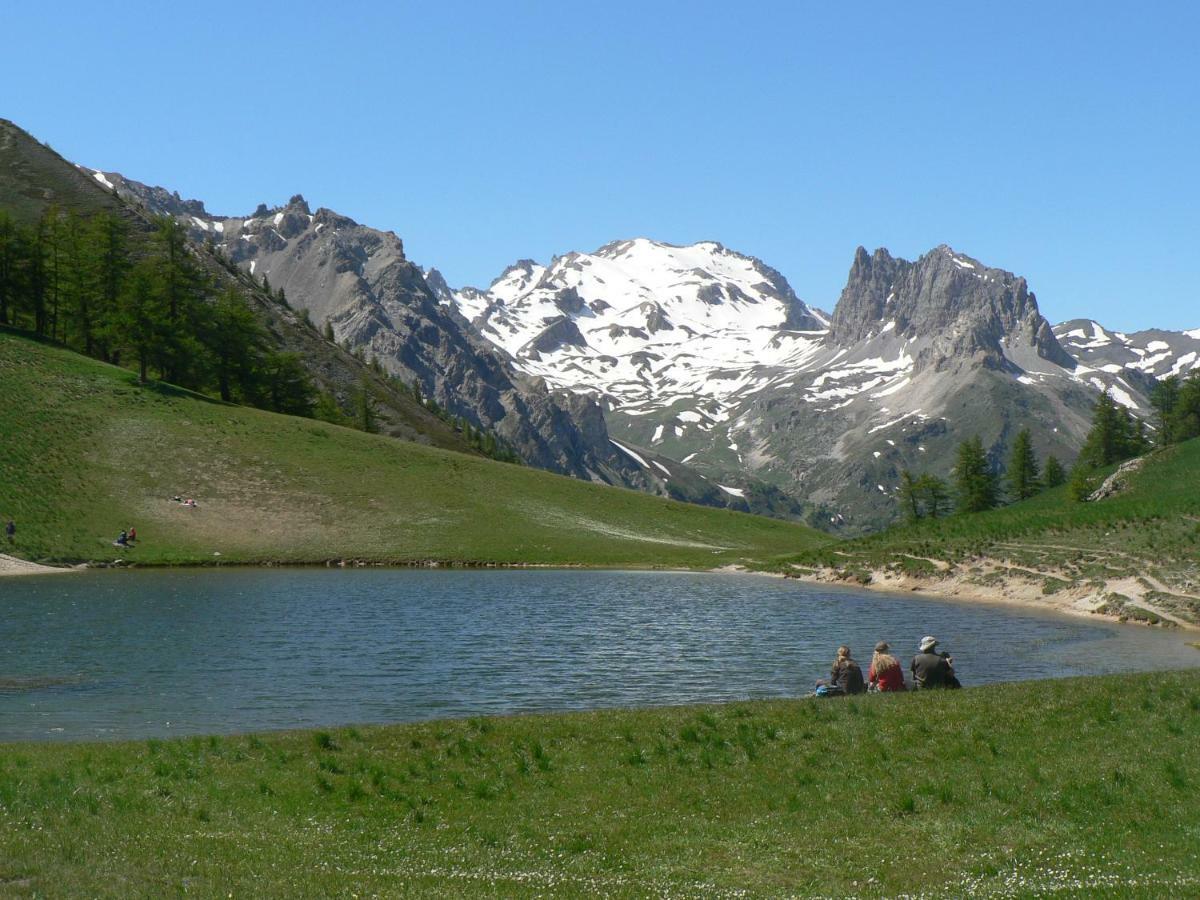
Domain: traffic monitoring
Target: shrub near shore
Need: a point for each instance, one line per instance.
(1073, 786)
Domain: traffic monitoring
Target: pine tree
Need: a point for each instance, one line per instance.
(288, 386)
(139, 321)
(10, 253)
(1054, 474)
(364, 406)
(934, 494)
(1023, 468)
(328, 332)
(1102, 443)
(975, 483)
(1164, 398)
(1081, 485)
(106, 261)
(1185, 415)
(235, 340)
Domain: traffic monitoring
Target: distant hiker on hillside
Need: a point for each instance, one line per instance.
(931, 669)
(132, 534)
(10, 531)
(885, 672)
(122, 540)
(844, 678)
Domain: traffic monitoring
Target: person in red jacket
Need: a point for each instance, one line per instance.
(885, 673)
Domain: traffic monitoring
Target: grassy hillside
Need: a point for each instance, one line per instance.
(88, 451)
(1145, 539)
(33, 177)
(1073, 787)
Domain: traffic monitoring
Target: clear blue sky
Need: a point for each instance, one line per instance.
(1058, 140)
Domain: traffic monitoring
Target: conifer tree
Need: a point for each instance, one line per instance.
(364, 405)
(934, 494)
(1081, 484)
(10, 254)
(1054, 474)
(235, 341)
(1023, 468)
(139, 321)
(974, 481)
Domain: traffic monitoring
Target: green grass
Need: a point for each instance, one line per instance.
(1153, 528)
(87, 451)
(1073, 787)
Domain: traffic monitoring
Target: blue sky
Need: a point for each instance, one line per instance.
(1058, 140)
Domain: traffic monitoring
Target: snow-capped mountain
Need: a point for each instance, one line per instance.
(708, 356)
(643, 323)
(1124, 363)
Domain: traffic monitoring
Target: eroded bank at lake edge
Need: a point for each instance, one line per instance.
(1128, 598)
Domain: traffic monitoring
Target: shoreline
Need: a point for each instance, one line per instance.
(12, 566)
(1083, 601)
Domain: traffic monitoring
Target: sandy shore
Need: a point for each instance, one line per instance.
(10, 565)
(1012, 589)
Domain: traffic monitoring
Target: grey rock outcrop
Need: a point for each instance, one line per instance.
(958, 308)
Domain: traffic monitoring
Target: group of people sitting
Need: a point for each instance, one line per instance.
(929, 669)
(126, 538)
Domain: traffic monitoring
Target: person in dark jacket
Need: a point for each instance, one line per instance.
(10, 531)
(931, 669)
(845, 677)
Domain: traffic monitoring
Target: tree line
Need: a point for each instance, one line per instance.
(148, 305)
(1115, 436)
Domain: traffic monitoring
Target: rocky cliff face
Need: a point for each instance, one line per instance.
(961, 310)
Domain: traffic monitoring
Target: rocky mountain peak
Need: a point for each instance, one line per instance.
(957, 308)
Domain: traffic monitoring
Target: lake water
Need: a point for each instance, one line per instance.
(138, 654)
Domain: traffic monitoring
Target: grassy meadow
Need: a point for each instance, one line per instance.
(1071, 787)
(88, 451)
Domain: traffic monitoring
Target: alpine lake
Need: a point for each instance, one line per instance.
(136, 654)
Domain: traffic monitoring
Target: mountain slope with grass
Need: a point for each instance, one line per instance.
(1133, 554)
(1075, 787)
(35, 180)
(88, 451)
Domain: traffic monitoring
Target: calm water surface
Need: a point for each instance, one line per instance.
(137, 654)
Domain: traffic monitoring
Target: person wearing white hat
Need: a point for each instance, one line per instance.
(931, 669)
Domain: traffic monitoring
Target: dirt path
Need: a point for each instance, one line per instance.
(10, 565)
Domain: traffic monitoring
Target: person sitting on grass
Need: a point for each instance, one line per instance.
(932, 670)
(885, 672)
(132, 534)
(844, 678)
(122, 540)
